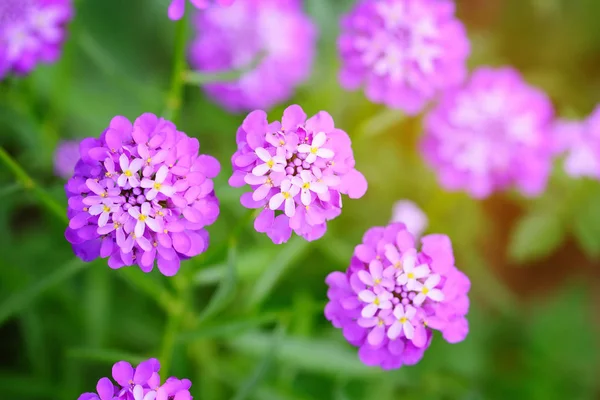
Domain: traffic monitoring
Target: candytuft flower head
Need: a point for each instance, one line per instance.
(411, 215)
(297, 169)
(580, 142)
(404, 52)
(274, 35)
(66, 156)
(140, 194)
(177, 7)
(140, 383)
(393, 295)
(31, 32)
(493, 133)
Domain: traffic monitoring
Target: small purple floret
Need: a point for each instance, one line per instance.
(297, 169)
(31, 32)
(392, 296)
(140, 194)
(66, 156)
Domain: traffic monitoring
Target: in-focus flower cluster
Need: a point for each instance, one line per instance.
(411, 216)
(297, 169)
(392, 296)
(177, 7)
(580, 142)
(493, 133)
(141, 193)
(404, 52)
(31, 32)
(276, 35)
(139, 383)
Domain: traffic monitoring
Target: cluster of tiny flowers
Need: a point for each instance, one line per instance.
(393, 296)
(411, 216)
(274, 38)
(580, 142)
(140, 383)
(66, 156)
(177, 7)
(493, 133)
(404, 52)
(297, 169)
(31, 31)
(141, 193)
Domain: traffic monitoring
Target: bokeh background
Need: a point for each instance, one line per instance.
(251, 325)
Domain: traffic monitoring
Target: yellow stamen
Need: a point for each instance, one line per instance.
(306, 185)
(85, 208)
(286, 195)
(403, 320)
(270, 163)
(128, 173)
(410, 275)
(148, 160)
(157, 185)
(281, 142)
(380, 322)
(106, 208)
(314, 150)
(165, 231)
(104, 194)
(108, 174)
(425, 290)
(377, 281)
(142, 217)
(155, 244)
(376, 302)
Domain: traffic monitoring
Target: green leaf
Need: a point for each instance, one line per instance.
(536, 235)
(229, 328)
(289, 253)
(586, 224)
(19, 300)
(308, 354)
(145, 283)
(109, 356)
(261, 370)
(226, 291)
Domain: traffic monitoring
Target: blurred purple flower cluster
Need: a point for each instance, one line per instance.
(297, 169)
(579, 141)
(404, 52)
(275, 34)
(140, 383)
(493, 133)
(31, 32)
(141, 193)
(392, 296)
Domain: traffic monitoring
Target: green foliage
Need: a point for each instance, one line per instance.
(245, 321)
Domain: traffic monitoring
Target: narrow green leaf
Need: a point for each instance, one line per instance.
(226, 290)
(97, 305)
(104, 355)
(228, 328)
(535, 236)
(147, 285)
(289, 253)
(19, 300)
(199, 78)
(248, 387)
(308, 354)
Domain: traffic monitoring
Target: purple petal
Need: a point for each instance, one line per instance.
(168, 267)
(105, 389)
(122, 372)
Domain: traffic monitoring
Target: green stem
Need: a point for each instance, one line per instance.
(29, 184)
(174, 97)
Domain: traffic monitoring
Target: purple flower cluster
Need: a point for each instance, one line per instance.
(404, 52)
(177, 7)
(580, 142)
(275, 34)
(140, 383)
(66, 156)
(31, 31)
(392, 296)
(493, 133)
(297, 170)
(141, 193)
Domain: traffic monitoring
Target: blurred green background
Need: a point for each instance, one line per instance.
(249, 323)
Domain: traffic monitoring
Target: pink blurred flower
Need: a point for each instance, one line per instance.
(411, 215)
